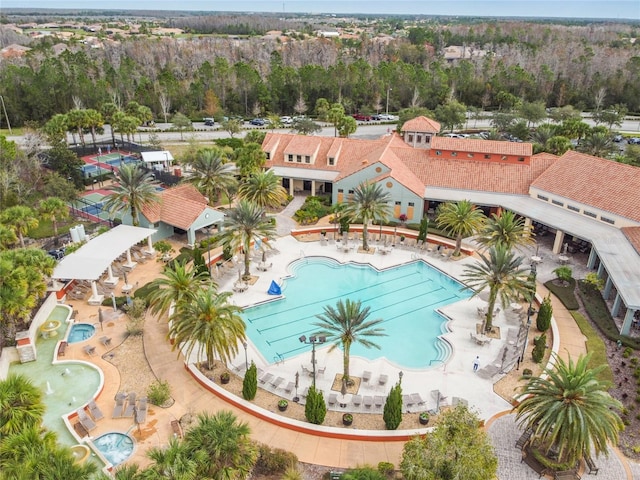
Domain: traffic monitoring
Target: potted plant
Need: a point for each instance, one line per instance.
(403, 218)
(401, 238)
(423, 418)
(323, 233)
(225, 377)
(282, 405)
(347, 419)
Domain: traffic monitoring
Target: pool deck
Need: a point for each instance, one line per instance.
(455, 379)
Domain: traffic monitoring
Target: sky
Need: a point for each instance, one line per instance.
(614, 9)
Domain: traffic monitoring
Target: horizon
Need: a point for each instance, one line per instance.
(543, 9)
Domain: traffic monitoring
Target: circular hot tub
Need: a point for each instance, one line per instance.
(80, 332)
(116, 447)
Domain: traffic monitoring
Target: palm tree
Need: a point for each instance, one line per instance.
(502, 274)
(570, 410)
(20, 219)
(135, 190)
(226, 443)
(7, 237)
(21, 405)
(245, 223)
(369, 203)
(506, 229)
(347, 324)
(174, 462)
(210, 174)
(597, 143)
(54, 209)
(207, 321)
(263, 189)
(179, 284)
(461, 219)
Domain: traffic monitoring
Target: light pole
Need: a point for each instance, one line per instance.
(400, 374)
(387, 109)
(313, 341)
(246, 359)
(530, 312)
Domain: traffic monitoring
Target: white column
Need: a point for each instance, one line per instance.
(607, 288)
(150, 245)
(94, 288)
(128, 256)
(291, 186)
(313, 188)
(110, 272)
(628, 321)
(592, 258)
(557, 243)
(616, 305)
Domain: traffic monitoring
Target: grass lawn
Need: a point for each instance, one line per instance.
(595, 346)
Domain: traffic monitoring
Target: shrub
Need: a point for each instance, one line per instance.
(392, 414)
(594, 281)
(564, 274)
(566, 294)
(363, 473)
(143, 292)
(385, 468)
(273, 461)
(250, 383)
(316, 409)
(540, 344)
(543, 320)
(159, 392)
(527, 373)
(627, 352)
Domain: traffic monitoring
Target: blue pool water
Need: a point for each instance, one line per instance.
(80, 332)
(405, 297)
(116, 447)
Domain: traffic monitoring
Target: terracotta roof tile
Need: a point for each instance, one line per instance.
(421, 124)
(179, 206)
(633, 235)
(603, 184)
(481, 146)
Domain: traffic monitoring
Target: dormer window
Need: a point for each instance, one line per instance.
(290, 158)
(332, 161)
(418, 138)
(307, 159)
(410, 138)
(268, 154)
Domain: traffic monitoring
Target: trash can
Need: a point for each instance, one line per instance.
(335, 475)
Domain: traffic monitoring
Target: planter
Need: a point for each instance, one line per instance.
(423, 419)
(282, 405)
(224, 378)
(347, 419)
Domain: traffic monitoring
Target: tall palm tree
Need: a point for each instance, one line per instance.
(209, 323)
(502, 274)
(178, 284)
(347, 324)
(243, 224)
(597, 143)
(369, 203)
(229, 450)
(461, 219)
(174, 462)
(21, 405)
(211, 175)
(570, 410)
(20, 219)
(135, 190)
(263, 189)
(53, 209)
(506, 229)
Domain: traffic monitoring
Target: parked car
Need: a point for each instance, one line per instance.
(633, 141)
(376, 117)
(387, 117)
(362, 117)
(258, 122)
(286, 120)
(617, 138)
(209, 122)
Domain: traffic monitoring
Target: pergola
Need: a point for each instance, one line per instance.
(91, 260)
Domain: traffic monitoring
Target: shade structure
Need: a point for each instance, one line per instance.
(274, 288)
(91, 260)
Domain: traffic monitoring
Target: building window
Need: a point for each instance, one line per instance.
(307, 159)
(469, 155)
(454, 154)
(411, 204)
(557, 202)
(350, 192)
(542, 197)
(410, 138)
(299, 158)
(590, 214)
(418, 138)
(398, 203)
(607, 220)
(340, 190)
(268, 154)
(487, 156)
(332, 161)
(438, 152)
(290, 157)
(572, 208)
(521, 159)
(427, 139)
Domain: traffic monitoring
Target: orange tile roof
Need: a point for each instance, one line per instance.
(481, 146)
(633, 235)
(179, 206)
(603, 184)
(421, 124)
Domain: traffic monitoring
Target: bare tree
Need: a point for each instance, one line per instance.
(165, 105)
(300, 107)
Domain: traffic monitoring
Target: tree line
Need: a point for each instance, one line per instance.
(557, 65)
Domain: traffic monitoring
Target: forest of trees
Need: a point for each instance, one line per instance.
(588, 66)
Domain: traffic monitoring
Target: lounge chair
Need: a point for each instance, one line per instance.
(131, 405)
(266, 378)
(356, 400)
(106, 341)
(276, 383)
(406, 400)
(333, 399)
(62, 349)
(119, 408)
(95, 411)
(378, 400)
(141, 412)
(416, 399)
(289, 388)
(177, 429)
(383, 379)
(89, 350)
(458, 401)
(368, 401)
(85, 420)
(366, 376)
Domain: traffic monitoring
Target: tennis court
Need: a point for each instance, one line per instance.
(96, 165)
(92, 204)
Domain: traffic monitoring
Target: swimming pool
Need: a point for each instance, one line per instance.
(405, 297)
(80, 332)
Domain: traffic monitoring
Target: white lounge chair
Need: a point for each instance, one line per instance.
(368, 401)
(356, 400)
(95, 411)
(333, 399)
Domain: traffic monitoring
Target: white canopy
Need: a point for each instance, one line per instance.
(90, 261)
(163, 156)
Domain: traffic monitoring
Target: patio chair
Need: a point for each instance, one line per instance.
(266, 378)
(95, 411)
(416, 399)
(289, 388)
(382, 380)
(406, 400)
(368, 401)
(141, 412)
(333, 399)
(378, 400)
(356, 400)
(85, 420)
(276, 383)
(106, 341)
(118, 410)
(89, 350)
(177, 429)
(131, 405)
(366, 376)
